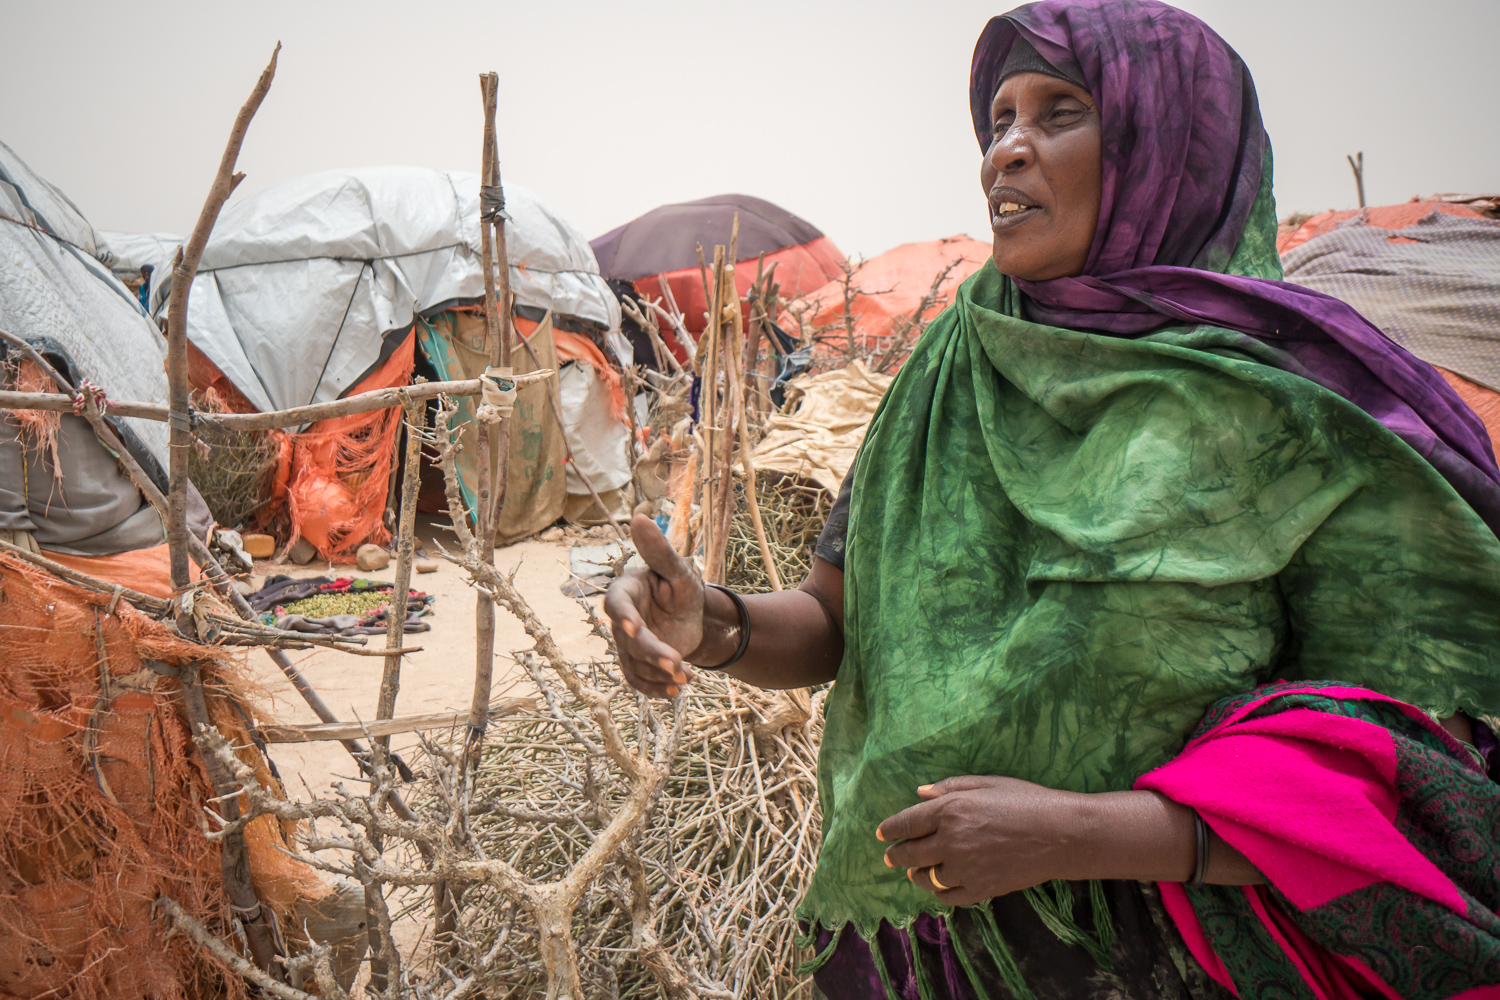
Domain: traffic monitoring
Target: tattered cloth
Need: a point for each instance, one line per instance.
(1433, 287)
(101, 798)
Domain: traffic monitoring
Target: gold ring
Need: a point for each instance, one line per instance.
(932, 874)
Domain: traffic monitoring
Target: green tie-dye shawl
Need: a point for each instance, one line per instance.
(1063, 547)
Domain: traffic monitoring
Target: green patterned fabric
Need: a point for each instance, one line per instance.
(1063, 547)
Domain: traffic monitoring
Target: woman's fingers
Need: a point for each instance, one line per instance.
(651, 665)
(656, 551)
(961, 783)
(919, 853)
(916, 821)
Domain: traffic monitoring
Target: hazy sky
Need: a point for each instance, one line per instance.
(853, 115)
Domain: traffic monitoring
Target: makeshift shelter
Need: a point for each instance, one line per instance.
(661, 247)
(351, 280)
(883, 295)
(1425, 273)
(61, 490)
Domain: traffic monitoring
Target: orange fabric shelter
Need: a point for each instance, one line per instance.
(799, 270)
(895, 282)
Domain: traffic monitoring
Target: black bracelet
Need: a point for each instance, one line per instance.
(1200, 866)
(744, 614)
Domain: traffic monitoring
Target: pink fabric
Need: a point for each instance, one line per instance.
(1480, 993)
(1310, 799)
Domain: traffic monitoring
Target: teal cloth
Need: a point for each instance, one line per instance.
(1064, 546)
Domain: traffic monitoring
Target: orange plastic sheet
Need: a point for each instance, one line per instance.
(146, 570)
(893, 284)
(1383, 217)
(799, 270)
(333, 479)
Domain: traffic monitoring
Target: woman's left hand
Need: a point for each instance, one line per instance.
(987, 836)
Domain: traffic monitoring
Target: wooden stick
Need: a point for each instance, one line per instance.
(484, 516)
(184, 269)
(411, 474)
(234, 858)
(363, 402)
(760, 528)
(135, 597)
(674, 317)
(236, 869)
(708, 393)
(382, 729)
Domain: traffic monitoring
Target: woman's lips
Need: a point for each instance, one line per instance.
(1009, 215)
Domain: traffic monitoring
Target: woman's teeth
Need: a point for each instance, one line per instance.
(1009, 208)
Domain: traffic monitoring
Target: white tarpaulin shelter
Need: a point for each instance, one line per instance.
(303, 286)
(127, 253)
(55, 289)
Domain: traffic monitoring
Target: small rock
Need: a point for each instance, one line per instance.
(302, 552)
(260, 546)
(243, 587)
(552, 534)
(425, 566)
(372, 557)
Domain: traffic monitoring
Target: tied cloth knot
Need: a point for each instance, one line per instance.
(89, 392)
(492, 203)
(497, 392)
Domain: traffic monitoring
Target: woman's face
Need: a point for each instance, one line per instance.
(1042, 176)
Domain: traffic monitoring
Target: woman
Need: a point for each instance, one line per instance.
(1124, 484)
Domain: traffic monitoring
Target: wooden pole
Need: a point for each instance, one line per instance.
(237, 885)
(184, 269)
(492, 203)
(708, 413)
(363, 402)
(1357, 164)
(390, 680)
(406, 526)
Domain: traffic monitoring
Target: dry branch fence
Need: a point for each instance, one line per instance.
(584, 842)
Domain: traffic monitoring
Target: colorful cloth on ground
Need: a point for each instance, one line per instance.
(1186, 183)
(1376, 832)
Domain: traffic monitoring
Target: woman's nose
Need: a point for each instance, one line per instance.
(1012, 151)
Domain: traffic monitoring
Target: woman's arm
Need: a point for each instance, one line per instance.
(663, 617)
(796, 636)
(988, 836)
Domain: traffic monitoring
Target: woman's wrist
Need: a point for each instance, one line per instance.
(1141, 836)
(721, 630)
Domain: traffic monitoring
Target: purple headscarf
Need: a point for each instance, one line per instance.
(1184, 157)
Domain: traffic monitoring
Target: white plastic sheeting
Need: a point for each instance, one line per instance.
(599, 441)
(55, 287)
(301, 284)
(127, 253)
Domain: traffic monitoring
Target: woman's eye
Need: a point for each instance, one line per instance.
(1002, 126)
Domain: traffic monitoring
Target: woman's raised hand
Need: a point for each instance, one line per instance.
(656, 613)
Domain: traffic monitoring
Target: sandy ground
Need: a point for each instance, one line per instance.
(440, 677)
